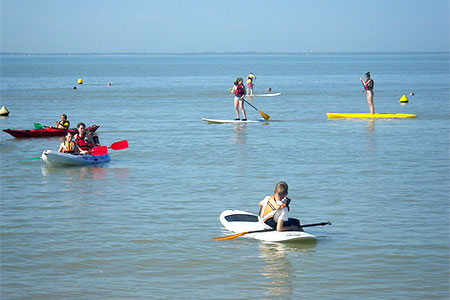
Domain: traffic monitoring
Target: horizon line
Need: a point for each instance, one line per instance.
(130, 53)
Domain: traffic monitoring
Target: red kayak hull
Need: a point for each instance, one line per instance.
(44, 132)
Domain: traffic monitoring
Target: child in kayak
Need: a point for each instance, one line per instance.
(274, 210)
(85, 140)
(63, 123)
(69, 146)
(239, 93)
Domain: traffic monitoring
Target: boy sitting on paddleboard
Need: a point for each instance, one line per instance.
(274, 210)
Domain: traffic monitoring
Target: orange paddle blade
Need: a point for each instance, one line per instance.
(119, 145)
(264, 115)
(229, 237)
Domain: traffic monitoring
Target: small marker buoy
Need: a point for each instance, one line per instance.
(269, 90)
(80, 81)
(108, 84)
(4, 112)
(403, 99)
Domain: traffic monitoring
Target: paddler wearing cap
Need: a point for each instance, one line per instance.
(368, 89)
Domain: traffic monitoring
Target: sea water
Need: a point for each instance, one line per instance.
(141, 226)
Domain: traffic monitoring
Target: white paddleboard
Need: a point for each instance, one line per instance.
(232, 121)
(57, 158)
(265, 95)
(240, 221)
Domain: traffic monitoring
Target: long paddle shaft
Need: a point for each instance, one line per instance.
(264, 115)
(233, 236)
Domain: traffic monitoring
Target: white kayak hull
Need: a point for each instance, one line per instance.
(240, 221)
(57, 158)
(232, 121)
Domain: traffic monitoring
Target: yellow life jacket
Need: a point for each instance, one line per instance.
(64, 124)
(269, 209)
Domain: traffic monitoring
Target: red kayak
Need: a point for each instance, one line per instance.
(44, 132)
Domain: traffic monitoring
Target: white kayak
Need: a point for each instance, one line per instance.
(240, 221)
(265, 95)
(57, 158)
(232, 121)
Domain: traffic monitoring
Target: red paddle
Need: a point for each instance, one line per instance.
(102, 150)
(120, 145)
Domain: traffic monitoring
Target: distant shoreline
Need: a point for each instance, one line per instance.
(215, 53)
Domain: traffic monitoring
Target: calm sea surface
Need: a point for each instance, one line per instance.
(140, 227)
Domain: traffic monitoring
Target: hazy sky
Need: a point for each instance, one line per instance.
(48, 26)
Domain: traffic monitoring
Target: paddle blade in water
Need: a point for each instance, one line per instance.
(38, 126)
(264, 115)
(100, 150)
(119, 145)
(33, 158)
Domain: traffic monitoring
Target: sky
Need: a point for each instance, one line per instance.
(171, 26)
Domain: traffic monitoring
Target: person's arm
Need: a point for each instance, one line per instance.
(245, 92)
(76, 148)
(61, 147)
(280, 223)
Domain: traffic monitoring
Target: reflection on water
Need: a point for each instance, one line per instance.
(370, 136)
(370, 127)
(74, 176)
(240, 136)
(278, 270)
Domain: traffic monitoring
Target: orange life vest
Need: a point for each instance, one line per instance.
(269, 209)
(69, 147)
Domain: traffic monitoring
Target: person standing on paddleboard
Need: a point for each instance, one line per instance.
(274, 210)
(368, 89)
(250, 79)
(238, 91)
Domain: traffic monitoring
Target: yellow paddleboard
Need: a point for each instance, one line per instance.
(368, 116)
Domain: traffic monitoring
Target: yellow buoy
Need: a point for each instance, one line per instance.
(403, 99)
(80, 81)
(3, 111)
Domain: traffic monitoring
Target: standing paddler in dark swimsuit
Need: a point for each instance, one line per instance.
(368, 89)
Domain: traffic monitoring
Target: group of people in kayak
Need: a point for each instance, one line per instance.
(79, 143)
